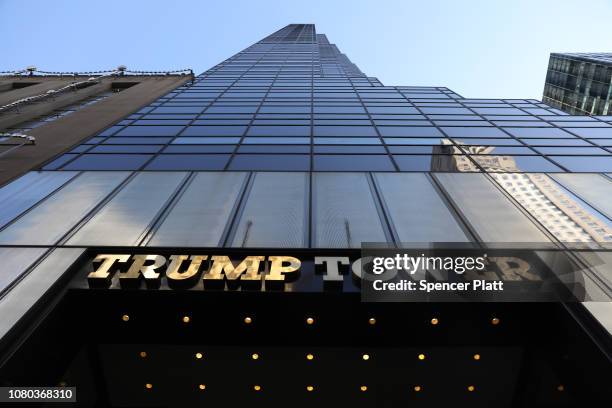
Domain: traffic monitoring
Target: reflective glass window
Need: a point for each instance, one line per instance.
(188, 162)
(364, 162)
(417, 211)
(490, 213)
(29, 189)
(124, 220)
(344, 211)
(53, 218)
(293, 162)
(108, 162)
(276, 212)
(211, 215)
(595, 164)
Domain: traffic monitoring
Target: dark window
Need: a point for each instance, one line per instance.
(214, 131)
(279, 131)
(150, 131)
(349, 149)
(189, 162)
(414, 131)
(289, 162)
(594, 164)
(352, 163)
(108, 162)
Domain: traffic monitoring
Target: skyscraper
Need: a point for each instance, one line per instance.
(579, 83)
(205, 249)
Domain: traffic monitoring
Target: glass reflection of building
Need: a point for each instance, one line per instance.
(288, 147)
(564, 215)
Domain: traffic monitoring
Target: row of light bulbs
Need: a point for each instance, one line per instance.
(311, 388)
(310, 320)
(309, 356)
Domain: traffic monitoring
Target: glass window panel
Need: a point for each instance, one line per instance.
(17, 302)
(150, 131)
(53, 218)
(16, 261)
(424, 162)
(214, 131)
(412, 149)
(205, 140)
(345, 109)
(406, 131)
(344, 131)
(392, 109)
(413, 141)
(556, 142)
(490, 213)
(446, 111)
(29, 189)
(108, 162)
(178, 109)
(126, 217)
(231, 109)
(495, 150)
(110, 130)
(273, 149)
(276, 140)
(200, 149)
(279, 131)
(474, 132)
(595, 164)
(538, 132)
(489, 142)
(364, 162)
(347, 140)
(515, 163)
(349, 149)
(160, 122)
(593, 188)
(571, 150)
(417, 211)
(498, 111)
(469, 123)
(344, 211)
(211, 215)
(293, 162)
(562, 213)
(137, 140)
(275, 213)
(126, 149)
(188, 162)
(210, 122)
(284, 109)
(59, 162)
(593, 132)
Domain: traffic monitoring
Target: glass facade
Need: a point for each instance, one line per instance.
(579, 83)
(294, 102)
(287, 144)
(288, 148)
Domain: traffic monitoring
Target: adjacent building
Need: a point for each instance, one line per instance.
(579, 83)
(203, 247)
(43, 114)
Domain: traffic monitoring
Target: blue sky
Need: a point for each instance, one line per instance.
(494, 48)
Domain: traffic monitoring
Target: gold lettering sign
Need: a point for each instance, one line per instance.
(102, 275)
(247, 271)
(221, 271)
(278, 270)
(172, 273)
